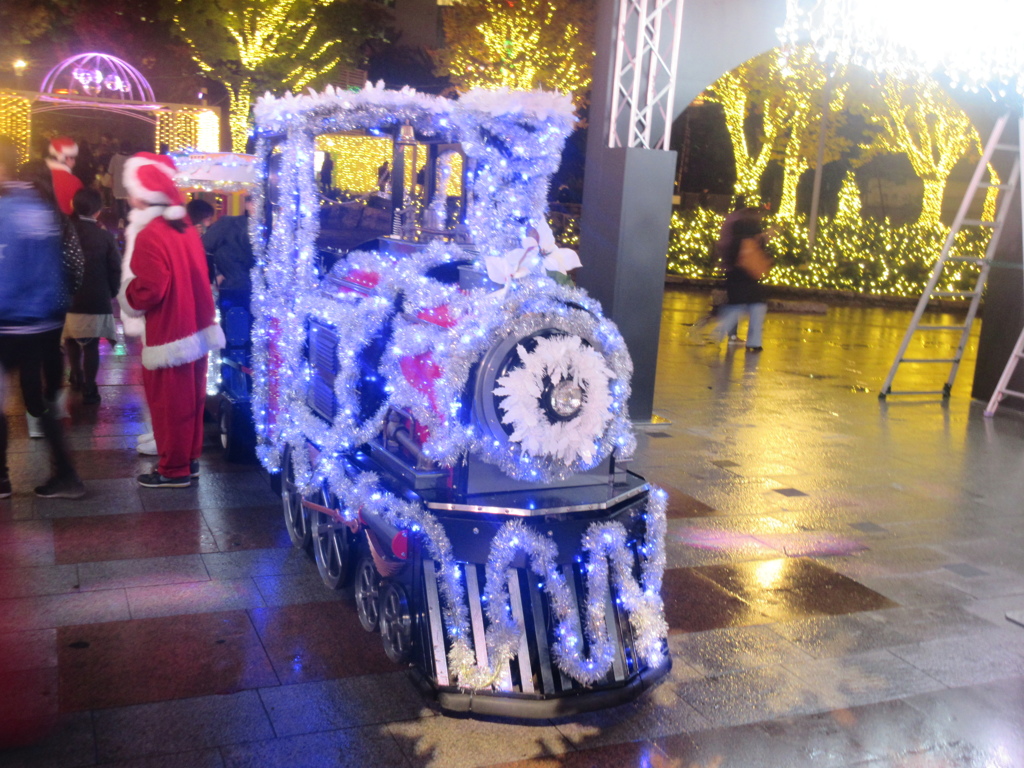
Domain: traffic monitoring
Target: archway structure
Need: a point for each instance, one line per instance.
(98, 81)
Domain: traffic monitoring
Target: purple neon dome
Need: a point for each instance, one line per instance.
(98, 75)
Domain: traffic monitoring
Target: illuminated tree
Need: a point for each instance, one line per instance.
(774, 104)
(921, 121)
(740, 94)
(250, 46)
(519, 44)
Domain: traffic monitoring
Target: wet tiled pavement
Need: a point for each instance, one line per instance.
(840, 569)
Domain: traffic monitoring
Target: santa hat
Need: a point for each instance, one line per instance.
(62, 148)
(150, 178)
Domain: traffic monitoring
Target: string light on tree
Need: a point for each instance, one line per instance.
(519, 44)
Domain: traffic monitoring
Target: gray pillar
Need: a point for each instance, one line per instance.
(627, 204)
(1003, 313)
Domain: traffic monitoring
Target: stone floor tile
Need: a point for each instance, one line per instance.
(142, 572)
(242, 489)
(727, 650)
(133, 662)
(344, 703)
(41, 580)
(25, 543)
(752, 696)
(102, 497)
(69, 742)
(251, 527)
(194, 597)
(184, 725)
(299, 587)
(246, 563)
(867, 678)
(348, 748)
(62, 610)
(968, 659)
(433, 742)
(319, 641)
(28, 649)
(658, 713)
(132, 535)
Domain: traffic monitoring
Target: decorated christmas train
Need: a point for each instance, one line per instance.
(447, 414)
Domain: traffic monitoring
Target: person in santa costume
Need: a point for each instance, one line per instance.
(165, 286)
(63, 153)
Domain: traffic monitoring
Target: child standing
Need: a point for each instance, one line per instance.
(90, 317)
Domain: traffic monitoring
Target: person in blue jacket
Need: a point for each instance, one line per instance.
(36, 281)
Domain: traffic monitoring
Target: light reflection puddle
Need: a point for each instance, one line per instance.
(792, 544)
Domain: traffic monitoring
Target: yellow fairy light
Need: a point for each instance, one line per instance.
(16, 121)
(519, 45)
(188, 128)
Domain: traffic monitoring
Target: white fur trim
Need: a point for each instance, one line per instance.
(135, 189)
(131, 318)
(184, 350)
(57, 165)
(173, 212)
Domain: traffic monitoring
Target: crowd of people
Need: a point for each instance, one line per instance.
(87, 237)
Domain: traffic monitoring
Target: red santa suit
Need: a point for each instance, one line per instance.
(166, 283)
(65, 183)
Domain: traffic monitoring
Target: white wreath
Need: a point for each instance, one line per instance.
(557, 358)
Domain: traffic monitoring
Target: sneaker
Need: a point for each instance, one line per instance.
(735, 340)
(59, 406)
(5, 488)
(147, 449)
(156, 480)
(754, 349)
(68, 487)
(35, 425)
(193, 467)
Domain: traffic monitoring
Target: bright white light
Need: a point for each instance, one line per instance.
(977, 44)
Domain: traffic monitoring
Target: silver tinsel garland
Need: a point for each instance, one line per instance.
(512, 144)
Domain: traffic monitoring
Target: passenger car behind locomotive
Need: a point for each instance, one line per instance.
(449, 421)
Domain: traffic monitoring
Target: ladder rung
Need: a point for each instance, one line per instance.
(917, 392)
(941, 327)
(978, 222)
(951, 294)
(1011, 393)
(1007, 147)
(928, 360)
(986, 185)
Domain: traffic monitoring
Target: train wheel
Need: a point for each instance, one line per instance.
(238, 448)
(368, 595)
(332, 548)
(296, 517)
(396, 622)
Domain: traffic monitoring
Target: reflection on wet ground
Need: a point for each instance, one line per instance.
(840, 570)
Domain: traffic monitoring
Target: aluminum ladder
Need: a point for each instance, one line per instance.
(994, 144)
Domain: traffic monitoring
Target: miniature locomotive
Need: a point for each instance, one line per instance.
(448, 420)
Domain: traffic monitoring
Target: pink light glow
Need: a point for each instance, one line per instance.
(98, 75)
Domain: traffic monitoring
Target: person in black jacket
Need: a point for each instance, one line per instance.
(90, 317)
(230, 253)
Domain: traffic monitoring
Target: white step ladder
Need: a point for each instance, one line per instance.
(995, 144)
(1002, 389)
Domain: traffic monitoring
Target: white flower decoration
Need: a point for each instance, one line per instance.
(558, 402)
(538, 249)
